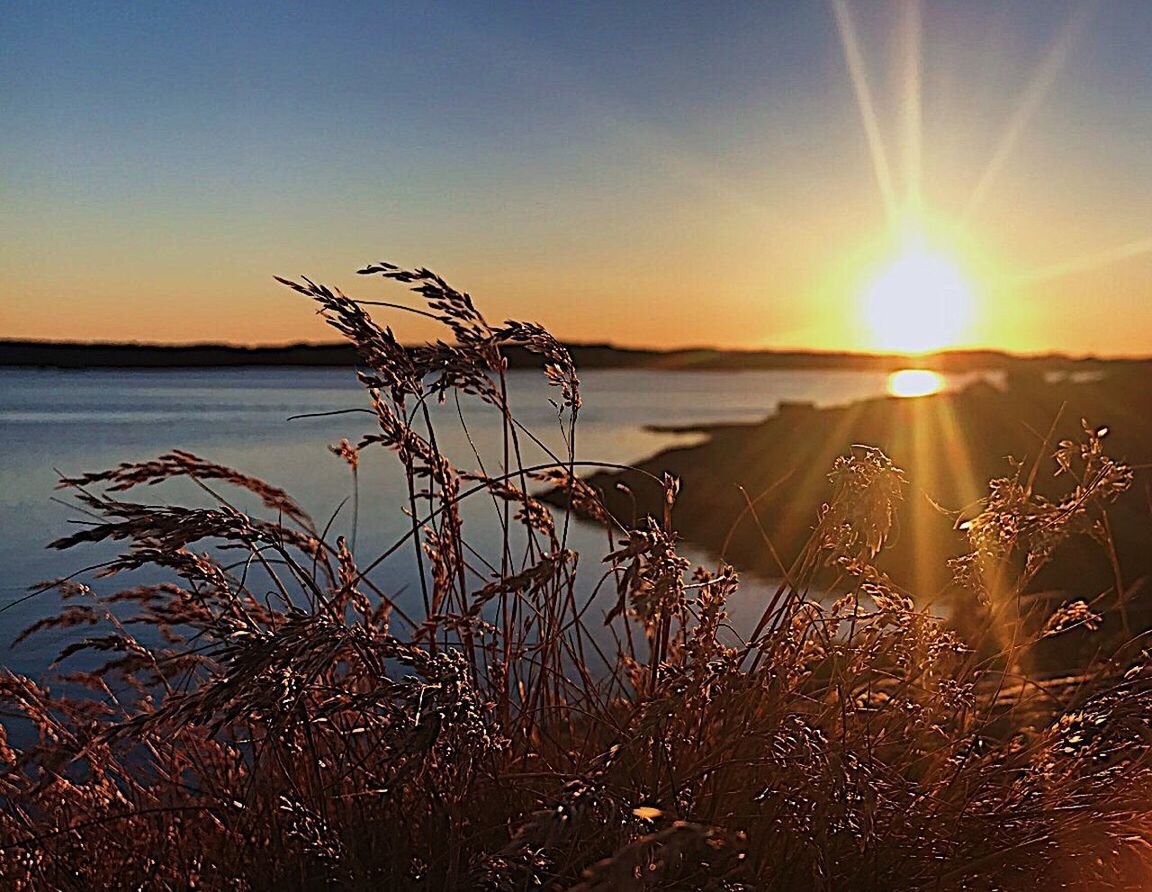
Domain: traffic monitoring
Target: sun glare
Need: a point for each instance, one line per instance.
(914, 382)
(919, 303)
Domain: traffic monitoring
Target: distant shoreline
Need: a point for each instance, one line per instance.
(74, 355)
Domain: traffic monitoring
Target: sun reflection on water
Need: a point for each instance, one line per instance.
(914, 382)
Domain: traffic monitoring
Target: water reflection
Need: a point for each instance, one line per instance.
(914, 382)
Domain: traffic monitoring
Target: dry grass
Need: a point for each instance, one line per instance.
(297, 729)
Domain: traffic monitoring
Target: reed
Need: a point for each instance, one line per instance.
(270, 716)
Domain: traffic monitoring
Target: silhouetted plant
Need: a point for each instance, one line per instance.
(285, 723)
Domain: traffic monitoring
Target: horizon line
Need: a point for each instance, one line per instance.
(42, 343)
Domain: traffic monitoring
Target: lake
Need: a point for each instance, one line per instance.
(77, 421)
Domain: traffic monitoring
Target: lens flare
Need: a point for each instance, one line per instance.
(914, 382)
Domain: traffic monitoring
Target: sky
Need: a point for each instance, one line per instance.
(646, 173)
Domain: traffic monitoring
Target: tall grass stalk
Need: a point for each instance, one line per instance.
(271, 716)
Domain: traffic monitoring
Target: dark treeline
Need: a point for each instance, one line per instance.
(47, 354)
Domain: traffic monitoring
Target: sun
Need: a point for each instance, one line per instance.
(919, 303)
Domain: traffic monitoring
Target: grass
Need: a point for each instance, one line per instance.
(269, 716)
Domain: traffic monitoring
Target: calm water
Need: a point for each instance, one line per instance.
(75, 421)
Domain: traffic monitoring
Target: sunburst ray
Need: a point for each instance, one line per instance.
(1089, 262)
(850, 43)
(1033, 95)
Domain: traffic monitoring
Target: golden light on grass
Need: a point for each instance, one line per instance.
(914, 382)
(920, 302)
